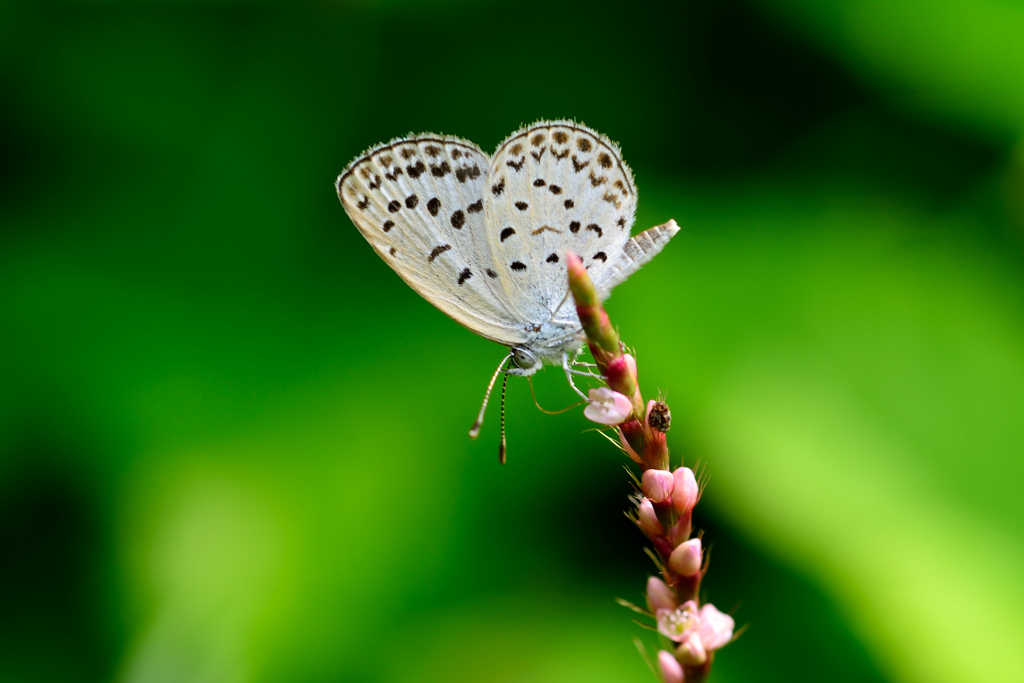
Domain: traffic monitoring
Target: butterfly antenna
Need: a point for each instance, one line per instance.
(474, 431)
(501, 448)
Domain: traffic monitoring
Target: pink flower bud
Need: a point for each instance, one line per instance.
(629, 449)
(607, 407)
(677, 624)
(685, 490)
(658, 485)
(648, 519)
(671, 670)
(631, 364)
(685, 560)
(715, 628)
(691, 651)
(659, 595)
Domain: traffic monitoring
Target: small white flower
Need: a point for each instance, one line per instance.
(678, 624)
(607, 407)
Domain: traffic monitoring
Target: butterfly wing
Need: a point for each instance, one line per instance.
(552, 187)
(418, 201)
(637, 252)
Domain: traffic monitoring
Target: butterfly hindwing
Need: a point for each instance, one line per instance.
(553, 187)
(419, 202)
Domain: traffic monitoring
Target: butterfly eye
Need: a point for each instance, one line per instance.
(523, 358)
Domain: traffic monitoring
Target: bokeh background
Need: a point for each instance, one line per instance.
(233, 443)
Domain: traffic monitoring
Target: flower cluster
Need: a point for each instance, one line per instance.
(663, 508)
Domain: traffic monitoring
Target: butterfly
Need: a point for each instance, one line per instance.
(483, 238)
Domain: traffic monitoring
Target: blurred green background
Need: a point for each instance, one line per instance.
(233, 443)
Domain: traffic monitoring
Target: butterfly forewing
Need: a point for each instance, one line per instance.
(419, 202)
(553, 187)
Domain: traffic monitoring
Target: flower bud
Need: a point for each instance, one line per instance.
(685, 560)
(659, 417)
(671, 670)
(659, 595)
(691, 651)
(685, 490)
(648, 519)
(607, 407)
(715, 628)
(658, 485)
(633, 455)
(631, 364)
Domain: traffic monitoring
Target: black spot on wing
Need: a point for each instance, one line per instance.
(364, 203)
(411, 201)
(499, 188)
(491, 273)
(458, 219)
(506, 233)
(392, 251)
(522, 206)
(583, 144)
(569, 203)
(467, 172)
(537, 155)
(578, 165)
(518, 265)
(415, 170)
(552, 258)
(388, 225)
(604, 160)
(601, 256)
(438, 250)
(517, 166)
(539, 182)
(560, 136)
(574, 227)
(595, 228)
(394, 206)
(433, 206)
(465, 275)
(440, 170)
(475, 207)
(621, 222)
(554, 189)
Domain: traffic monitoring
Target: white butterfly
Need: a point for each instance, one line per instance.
(484, 238)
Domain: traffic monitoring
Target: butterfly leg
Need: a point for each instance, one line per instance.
(569, 374)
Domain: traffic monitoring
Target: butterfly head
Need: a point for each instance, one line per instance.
(526, 362)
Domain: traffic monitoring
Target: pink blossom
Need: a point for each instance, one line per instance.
(658, 485)
(686, 559)
(715, 628)
(607, 407)
(685, 490)
(677, 624)
(671, 670)
(659, 595)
